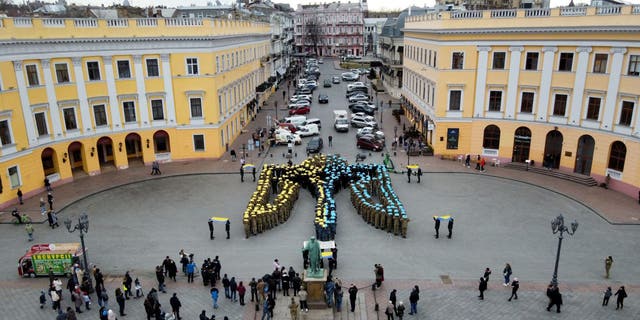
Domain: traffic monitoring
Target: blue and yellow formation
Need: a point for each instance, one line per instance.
(323, 176)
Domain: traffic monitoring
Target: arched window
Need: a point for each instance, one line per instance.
(491, 137)
(616, 156)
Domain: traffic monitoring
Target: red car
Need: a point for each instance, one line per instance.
(292, 128)
(300, 110)
(369, 142)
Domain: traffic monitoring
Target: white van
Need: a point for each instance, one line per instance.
(315, 121)
(295, 120)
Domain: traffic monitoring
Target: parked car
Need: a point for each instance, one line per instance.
(335, 80)
(314, 145)
(369, 142)
(320, 61)
(361, 108)
(357, 90)
(312, 77)
(379, 135)
(363, 121)
(300, 110)
(348, 76)
(323, 98)
(359, 97)
(289, 126)
(297, 97)
(307, 83)
(299, 103)
(308, 130)
(365, 103)
(303, 91)
(315, 121)
(327, 83)
(356, 71)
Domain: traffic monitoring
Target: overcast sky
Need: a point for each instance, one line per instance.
(374, 5)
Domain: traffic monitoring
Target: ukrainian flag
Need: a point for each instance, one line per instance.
(219, 219)
(443, 218)
(326, 254)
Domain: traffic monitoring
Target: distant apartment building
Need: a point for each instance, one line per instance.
(330, 29)
(492, 4)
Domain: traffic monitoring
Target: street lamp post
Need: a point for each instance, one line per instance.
(83, 227)
(557, 225)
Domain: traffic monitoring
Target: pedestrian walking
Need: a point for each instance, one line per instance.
(467, 161)
(414, 296)
(408, 175)
(175, 306)
(242, 173)
(19, 193)
(437, 226)
(50, 219)
(389, 311)
(353, 293)
(607, 295)
(241, 292)
(211, 230)
(419, 174)
(43, 299)
(338, 296)
(120, 300)
(233, 288)
(54, 218)
(621, 294)
(293, 309)
(450, 228)
(330, 141)
(483, 161)
(506, 272)
(227, 227)
(47, 184)
(50, 200)
(160, 278)
(155, 168)
(253, 173)
(478, 163)
(29, 229)
(379, 273)
(302, 296)
(55, 299)
(608, 262)
(515, 285)
(555, 298)
(214, 297)
(482, 287)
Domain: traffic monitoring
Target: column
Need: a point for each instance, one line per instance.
(514, 76)
(85, 112)
(578, 85)
(51, 99)
(168, 88)
(111, 89)
(612, 90)
(481, 81)
(26, 106)
(544, 108)
(142, 96)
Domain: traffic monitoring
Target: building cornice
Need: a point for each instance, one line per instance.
(595, 29)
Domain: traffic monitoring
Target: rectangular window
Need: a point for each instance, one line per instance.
(157, 109)
(41, 123)
(626, 113)
(129, 109)
(526, 104)
(124, 72)
(593, 109)
(455, 97)
(600, 63)
(457, 61)
(93, 70)
(196, 107)
(634, 65)
(198, 142)
(62, 72)
(152, 68)
(560, 105)
(192, 66)
(5, 133)
(217, 64)
(495, 100)
(14, 176)
(566, 61)
(100, 115)
(532, 61)
(70, 118)
(452, 138)
(32, 75)
(498, 60)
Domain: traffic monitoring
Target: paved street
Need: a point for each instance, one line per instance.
(498, 219)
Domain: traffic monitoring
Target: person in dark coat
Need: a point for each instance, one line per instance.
(20, 196)
(482, 287)
(211, 229)
(607, 295)
(175, 306)
(50, 219)
(50, 200)
(413, 300)
(621, 294)
(393, 299)
(253, 173)
(437, 226)
(419, 174)
(409, 175)
(487, 273)
(242, 174)
(227, 227)
(555, 298)
(450, 227)
(353, 293)
(515, 285)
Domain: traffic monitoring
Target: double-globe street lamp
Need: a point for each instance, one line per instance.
(557, 225)
(83, 227)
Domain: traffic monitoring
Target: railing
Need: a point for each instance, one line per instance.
(534, 13)
(187, 22)
(608, 10)
(85, 23)
(117, 23)
(146, 22)
(466, 15)
(503, 13)
(573, 11)
(22, 22)
(53, 22)
(635, 9)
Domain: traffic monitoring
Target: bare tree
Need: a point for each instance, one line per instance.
(313, 33)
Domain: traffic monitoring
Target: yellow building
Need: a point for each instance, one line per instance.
(558, 86)
(81, 96)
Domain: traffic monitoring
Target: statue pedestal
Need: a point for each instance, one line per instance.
(315, 290)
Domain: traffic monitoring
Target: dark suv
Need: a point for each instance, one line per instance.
(314, 145)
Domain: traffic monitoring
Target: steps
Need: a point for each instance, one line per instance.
(574, 177)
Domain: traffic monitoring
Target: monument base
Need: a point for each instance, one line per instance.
(315, 290)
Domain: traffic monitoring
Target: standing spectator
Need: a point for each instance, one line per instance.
(20, 196)
(253, 173)
(400, 310)
(233, 287)
(392, 299)
(389, 311)
(515, 285)
(175, 306)
(297, 283)
(506, 272)
(47, 184)
(330, 141)
(57, 285)
(482, 287)
(303, 299)
(419, 174)
(211, 230)
(225, 285)
(241, 291)
(128, 282)
(214, 297)
(54, 218)
(265, 310)
(286, 282)
(353, 294)
(555, 298)
(50, 200)
(482, 163)
(450, 228)
(242, 171)
(191, 270)
(173, 269)
(103, 298)
(338, 295)
(227, 225)
(607, 295)
(621, 294)
(414, 296)
(50, 219)
(487, 273)
(76, 298)
(608, 262)
(409, 175)
(43, 299)
(120, 299)
(253, 285)
(29, 229)
(437, 226)
(329, 289)
(55, 299)
(293, 309)
(160, 278)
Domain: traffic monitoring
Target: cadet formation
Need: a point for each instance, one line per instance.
(324, 176)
